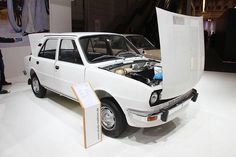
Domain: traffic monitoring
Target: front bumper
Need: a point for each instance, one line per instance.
(167, 111)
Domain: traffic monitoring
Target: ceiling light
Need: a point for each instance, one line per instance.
(203, 5)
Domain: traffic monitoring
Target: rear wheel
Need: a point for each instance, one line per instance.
(37, 88)
(113, 119)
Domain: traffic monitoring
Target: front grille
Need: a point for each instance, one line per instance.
(180, 99)
(176, 100)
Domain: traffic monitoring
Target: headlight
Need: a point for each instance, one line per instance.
(153, 97)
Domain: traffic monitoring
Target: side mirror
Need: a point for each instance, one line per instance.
(141, 52)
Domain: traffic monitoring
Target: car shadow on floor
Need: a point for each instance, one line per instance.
(64, 102)
(137, 135)
(154, 134)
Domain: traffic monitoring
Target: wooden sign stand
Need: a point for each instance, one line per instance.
(91, 108)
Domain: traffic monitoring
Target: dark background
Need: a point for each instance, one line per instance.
(139, 17)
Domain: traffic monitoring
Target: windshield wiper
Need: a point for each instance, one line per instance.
(106, 57)
(127, 54)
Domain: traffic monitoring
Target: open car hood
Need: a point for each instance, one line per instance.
(182, 52)
(35, 39)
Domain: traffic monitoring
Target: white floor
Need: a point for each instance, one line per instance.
(52, 127)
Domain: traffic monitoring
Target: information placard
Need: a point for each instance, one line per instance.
(91, 107)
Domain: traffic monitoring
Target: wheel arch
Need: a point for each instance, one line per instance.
(102, 94)
(32, 72)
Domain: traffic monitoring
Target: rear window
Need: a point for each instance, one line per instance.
(49, 49)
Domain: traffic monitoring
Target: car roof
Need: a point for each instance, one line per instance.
(78, 34)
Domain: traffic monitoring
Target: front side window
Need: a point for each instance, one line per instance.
(106, 47)
(49, 49)
(68, 52)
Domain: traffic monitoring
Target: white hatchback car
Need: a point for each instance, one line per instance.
(129, 86)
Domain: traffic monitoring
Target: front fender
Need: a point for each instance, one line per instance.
(128, 92)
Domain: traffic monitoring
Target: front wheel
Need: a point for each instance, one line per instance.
(38, 89)
(113, 119)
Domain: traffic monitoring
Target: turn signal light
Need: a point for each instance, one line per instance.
(151, 118)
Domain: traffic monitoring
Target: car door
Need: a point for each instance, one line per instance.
(45, 62)
(69, 67)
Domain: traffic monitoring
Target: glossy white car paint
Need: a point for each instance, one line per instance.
(132, 95)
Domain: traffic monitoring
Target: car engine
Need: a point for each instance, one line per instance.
(141, 71)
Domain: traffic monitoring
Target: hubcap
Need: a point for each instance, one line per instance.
(108, 118)
(35, 84)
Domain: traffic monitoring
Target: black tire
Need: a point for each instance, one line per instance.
(118, 123)
(38, 89)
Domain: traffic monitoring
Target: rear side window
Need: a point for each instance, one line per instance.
(68, 52)
(49, 49)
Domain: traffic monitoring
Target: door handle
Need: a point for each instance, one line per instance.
(37, 62)
(57, 67)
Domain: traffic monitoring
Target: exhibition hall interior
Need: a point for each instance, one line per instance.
(117, 78)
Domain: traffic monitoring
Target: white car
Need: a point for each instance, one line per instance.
(129, 86)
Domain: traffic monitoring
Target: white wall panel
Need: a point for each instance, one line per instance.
(60, 16)
(14, 60)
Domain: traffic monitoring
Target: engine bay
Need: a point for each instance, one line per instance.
(143, 71)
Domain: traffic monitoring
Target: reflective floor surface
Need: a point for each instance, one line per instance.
(52, 127)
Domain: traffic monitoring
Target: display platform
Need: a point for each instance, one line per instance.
(52, 126)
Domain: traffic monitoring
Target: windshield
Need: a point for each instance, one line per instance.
(106, 47)
(140, 42)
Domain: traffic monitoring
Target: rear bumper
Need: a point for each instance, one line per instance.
(25, 73)
(164, 114)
